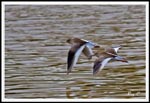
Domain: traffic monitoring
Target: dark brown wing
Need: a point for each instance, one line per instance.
(71, 56)
(96, 66)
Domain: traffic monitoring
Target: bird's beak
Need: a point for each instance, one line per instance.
(124, 60)
(119, 58)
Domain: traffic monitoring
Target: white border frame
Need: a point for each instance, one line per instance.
(74, 3)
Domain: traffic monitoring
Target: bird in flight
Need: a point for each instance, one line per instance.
(79, 46)
(105, 57)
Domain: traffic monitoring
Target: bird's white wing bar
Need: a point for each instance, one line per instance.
(100, 65)
(84, 40)
(104, 62)
(73, 57)
(89, 43)
(77, 54)
(116, 48)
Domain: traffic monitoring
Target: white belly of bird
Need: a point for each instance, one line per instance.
(104, 62)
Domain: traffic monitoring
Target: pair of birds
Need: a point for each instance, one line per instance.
(83, 46)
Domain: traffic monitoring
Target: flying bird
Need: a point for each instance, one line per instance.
(79, 46)
(105, 57)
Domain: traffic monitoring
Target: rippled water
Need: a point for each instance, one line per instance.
(36, 51)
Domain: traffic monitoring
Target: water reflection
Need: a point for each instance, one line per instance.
(82, 90)
(116, 85)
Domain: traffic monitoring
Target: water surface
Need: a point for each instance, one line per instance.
(36, 51)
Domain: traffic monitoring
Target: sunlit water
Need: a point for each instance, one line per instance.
(36, 51)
